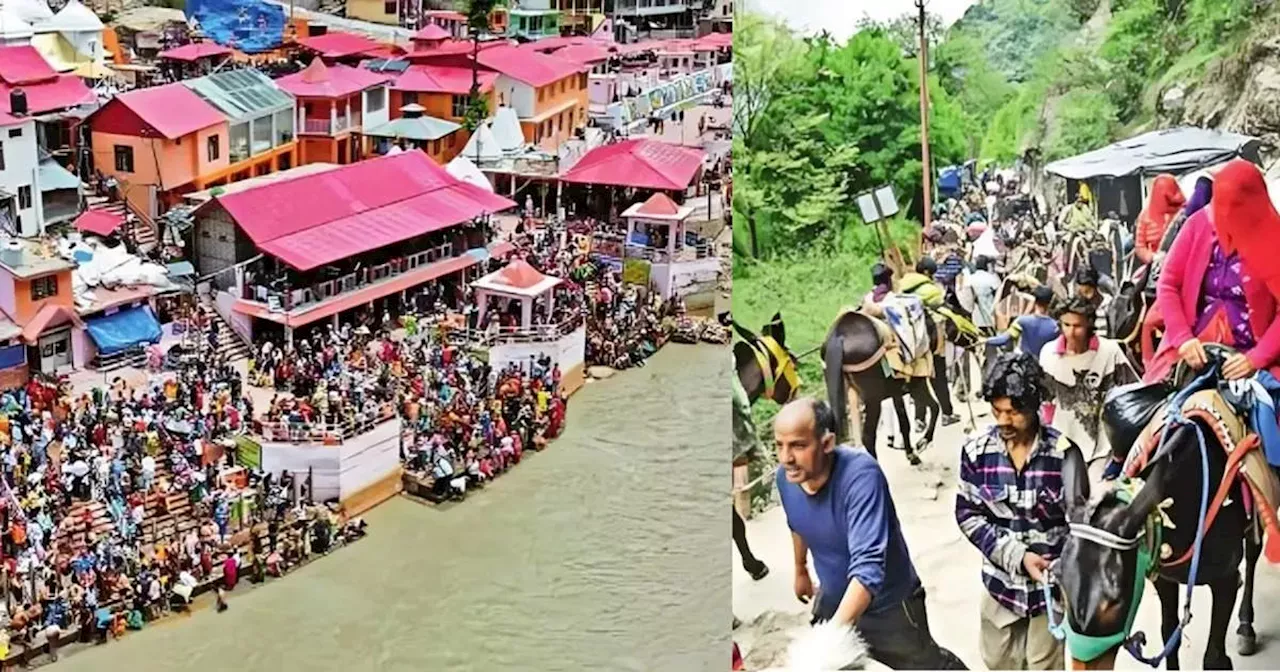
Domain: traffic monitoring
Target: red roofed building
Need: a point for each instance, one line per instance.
(442, 91)
(549, 94)
(334, 243)
(342, 47)
(336, 102)
(639, 164)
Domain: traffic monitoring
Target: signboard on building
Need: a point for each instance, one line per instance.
(248, 453)
(636, 272)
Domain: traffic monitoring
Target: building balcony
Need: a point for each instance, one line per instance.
(298, 306)
(330, 127)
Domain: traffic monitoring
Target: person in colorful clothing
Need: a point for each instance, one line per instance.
(1220, 284)
(1008, 504)
(1164, 203)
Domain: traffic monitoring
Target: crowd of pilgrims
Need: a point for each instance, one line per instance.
(132, 450)
(135, 451)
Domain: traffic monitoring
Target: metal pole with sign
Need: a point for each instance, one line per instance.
(876, 206)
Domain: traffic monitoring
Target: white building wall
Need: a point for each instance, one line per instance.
(375, 118)
(21, 169)
(517, 95)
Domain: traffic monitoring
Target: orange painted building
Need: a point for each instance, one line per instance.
(549, 94)
(335, 104)
(443, 93)
(162, 142)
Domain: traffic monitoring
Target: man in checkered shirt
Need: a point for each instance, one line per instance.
(1009, 504)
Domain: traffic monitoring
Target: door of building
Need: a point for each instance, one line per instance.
(55, 350)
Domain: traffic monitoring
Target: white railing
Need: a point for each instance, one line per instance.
(320, 432)
(327, 289)
(326, 126)
(504, 335)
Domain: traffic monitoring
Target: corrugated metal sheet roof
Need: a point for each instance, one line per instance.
(322, 218)
(241, 94)
(643, 164)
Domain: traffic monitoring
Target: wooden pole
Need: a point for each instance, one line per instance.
(926, 169)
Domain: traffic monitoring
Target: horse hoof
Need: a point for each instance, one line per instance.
(1223, 663)
(913, 459)
(1247, 640)
(922, 445)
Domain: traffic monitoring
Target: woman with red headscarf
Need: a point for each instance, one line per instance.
(1163, 204)
(1219, 284)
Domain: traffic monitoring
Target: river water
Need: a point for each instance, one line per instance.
(605, 551)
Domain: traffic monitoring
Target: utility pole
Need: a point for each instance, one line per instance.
(927, 168)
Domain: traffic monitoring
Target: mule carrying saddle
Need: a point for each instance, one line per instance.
(1245, 460)
(905, 350)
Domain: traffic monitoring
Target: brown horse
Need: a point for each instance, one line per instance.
(852, 356)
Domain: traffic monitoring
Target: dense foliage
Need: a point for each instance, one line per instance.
(817, 122)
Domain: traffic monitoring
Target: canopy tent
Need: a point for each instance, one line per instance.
(464, 169)
(195, 51)
(1171, 150)
(124, 329)
(100, 222)
(642, 164)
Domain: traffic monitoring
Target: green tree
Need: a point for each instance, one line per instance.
(477, 23)
(1086, 119)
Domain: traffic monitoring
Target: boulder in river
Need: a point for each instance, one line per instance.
(601, 372)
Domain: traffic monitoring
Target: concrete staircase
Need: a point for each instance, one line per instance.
(230, 344)
(143, 232)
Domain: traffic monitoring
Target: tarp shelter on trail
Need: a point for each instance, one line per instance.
(1171, 150)
(251, 26)
(1118, 174)
(124, 329)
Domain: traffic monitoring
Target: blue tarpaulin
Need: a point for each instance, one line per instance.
(252, 26)
(949, 180)
(12, 356)
(124, 329)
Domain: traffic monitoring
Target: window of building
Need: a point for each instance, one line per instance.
(124, 159)
(542, 94)
(15, 132)
(238, 142)
(435, 147)
(43, 288)
(284, 126)
(24, 197)
(582, 81)
(1, 156)
(459, 108)
(261, 134)
(376, 99)
(389, 7)
(214, 152)
(408, 98)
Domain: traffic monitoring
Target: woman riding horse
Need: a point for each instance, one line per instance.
(1217, 287)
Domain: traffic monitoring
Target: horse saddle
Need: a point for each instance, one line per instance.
(1221, 418)
(891, 355)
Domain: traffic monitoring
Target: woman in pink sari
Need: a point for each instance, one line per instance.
(1220, 283)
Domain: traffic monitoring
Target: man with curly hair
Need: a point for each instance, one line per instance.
(1009, 505)
(1081, 367)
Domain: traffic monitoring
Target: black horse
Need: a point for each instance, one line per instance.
(852, 357)
(1098, 582)
(759, 365)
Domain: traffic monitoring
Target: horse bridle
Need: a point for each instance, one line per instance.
(763, 348)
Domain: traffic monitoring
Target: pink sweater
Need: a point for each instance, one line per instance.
(1178, 298)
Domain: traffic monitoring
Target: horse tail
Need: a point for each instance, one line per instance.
(833, 363)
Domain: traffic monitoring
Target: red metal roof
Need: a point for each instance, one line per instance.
(659, 204)
(50, 315)
(643, 164)
(337, 45)
(172, 109)
(24, 65)
(442, 79)
(583, 53)
(321, 218)
(101, 222)
(195, 51)
(330, 81)
(530, 67)
(431, 32)
(55, 94)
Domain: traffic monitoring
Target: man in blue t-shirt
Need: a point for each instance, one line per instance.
(1034, 330)
(839, 509)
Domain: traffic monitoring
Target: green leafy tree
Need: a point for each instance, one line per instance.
(477, 23)
(1086, 119)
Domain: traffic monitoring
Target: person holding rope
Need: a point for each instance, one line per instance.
(1006, 507)
(838, 506)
